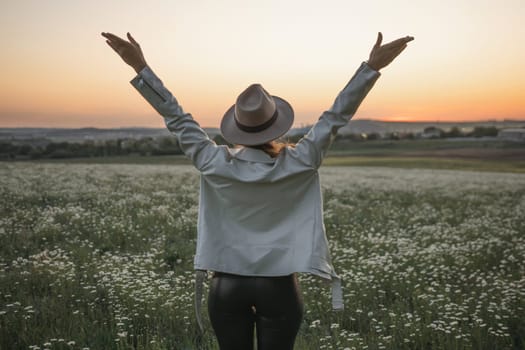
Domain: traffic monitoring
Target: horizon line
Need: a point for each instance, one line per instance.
(293, 127)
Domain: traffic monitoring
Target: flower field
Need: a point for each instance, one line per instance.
(101, 257)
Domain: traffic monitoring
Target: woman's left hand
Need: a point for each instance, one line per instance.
(382, 55)
(129, 51)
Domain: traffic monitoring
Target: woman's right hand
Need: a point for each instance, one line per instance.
(129, 51)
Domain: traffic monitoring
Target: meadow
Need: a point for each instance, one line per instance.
(100, 256)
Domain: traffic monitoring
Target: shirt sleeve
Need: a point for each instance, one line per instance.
(193, 140)
(313, 146)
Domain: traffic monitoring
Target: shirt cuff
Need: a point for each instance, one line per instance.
(366, 63)
(369, 69)
(146, 71)
(150, 86)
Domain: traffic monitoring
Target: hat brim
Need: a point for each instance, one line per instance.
(231, 132)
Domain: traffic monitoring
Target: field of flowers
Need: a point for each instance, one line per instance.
(100, 257)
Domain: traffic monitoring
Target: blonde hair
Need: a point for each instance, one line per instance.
(273, 148)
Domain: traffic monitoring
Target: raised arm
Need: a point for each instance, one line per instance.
(193, 141)
(314, 145)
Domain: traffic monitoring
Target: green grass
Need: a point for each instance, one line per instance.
(133, 159)
(390, 146)
(334, 159)
(428, 163)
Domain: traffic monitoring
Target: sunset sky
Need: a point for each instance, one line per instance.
(466, 62)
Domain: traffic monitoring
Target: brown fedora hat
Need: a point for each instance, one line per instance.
(256, 118)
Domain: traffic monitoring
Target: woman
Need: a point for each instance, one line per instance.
(260, 208)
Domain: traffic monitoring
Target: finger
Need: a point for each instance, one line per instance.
(113, 46)
(399, 42)
(109, 35)
(394, 44)
(395, 48)
(399, 50)
(379, 39)
(132, 40)
(113, 37)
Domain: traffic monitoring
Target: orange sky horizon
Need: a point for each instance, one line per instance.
(62, 125)
(61, 73)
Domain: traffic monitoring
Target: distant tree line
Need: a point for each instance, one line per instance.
(168, 145)
(428, 133)
(478, 131)
(90, 148)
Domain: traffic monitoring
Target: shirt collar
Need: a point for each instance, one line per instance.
(252, 155)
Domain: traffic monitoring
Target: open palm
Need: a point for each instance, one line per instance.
(382, 55)
(129, 51)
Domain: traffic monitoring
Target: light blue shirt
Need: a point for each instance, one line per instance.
(258, 215)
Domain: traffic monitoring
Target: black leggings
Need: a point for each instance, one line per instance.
(272, 304)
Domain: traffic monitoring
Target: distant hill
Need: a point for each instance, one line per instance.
(84, 134)
(365, 126)
(358, 126)
(79, 135)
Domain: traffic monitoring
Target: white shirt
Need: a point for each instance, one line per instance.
(258, 215)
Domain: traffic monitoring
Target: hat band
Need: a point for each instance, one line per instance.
(258, 128)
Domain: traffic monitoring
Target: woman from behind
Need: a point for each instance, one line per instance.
(260, 209)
